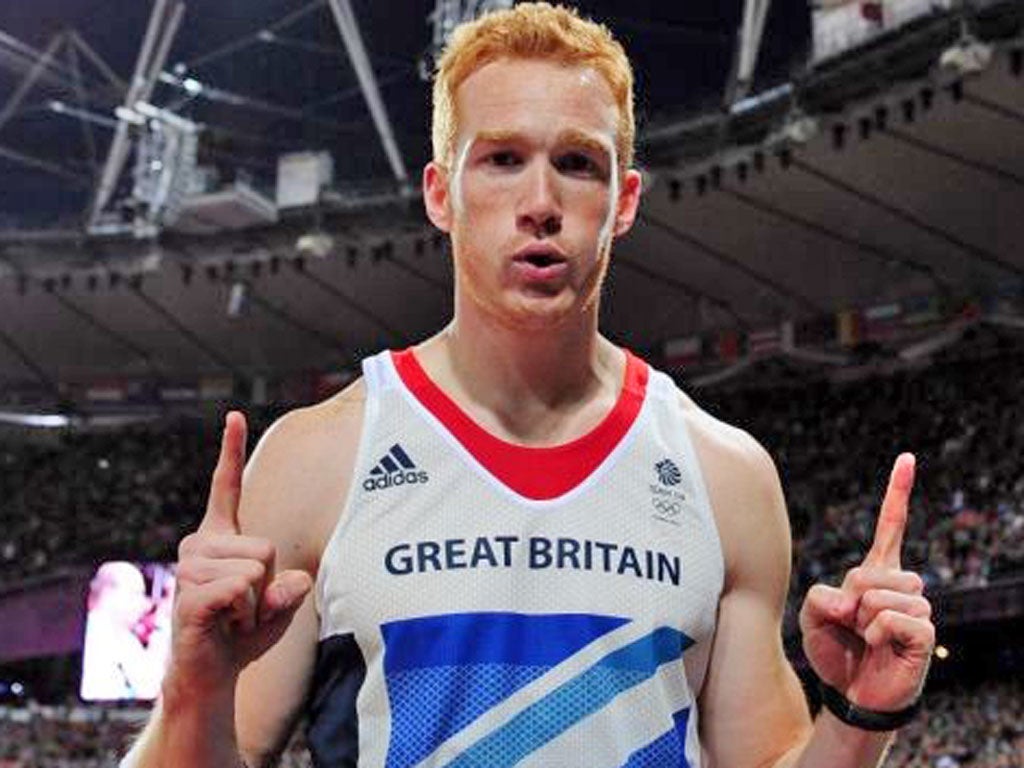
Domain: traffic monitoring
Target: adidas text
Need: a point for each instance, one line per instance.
(394, 479)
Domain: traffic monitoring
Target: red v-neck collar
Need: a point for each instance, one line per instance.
(536, 473)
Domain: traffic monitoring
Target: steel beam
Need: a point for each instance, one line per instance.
(159, 36)
(348, 27)
(97, 61)
(750, 35)
(30, 80)
(41, 164)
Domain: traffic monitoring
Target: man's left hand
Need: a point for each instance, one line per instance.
(872, 638)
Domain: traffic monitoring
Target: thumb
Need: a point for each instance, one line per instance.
(284, 594)
(824, 606)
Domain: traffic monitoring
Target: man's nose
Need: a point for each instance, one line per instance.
(540, 209)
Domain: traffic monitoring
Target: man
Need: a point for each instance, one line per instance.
(115, 662)
(515, 543)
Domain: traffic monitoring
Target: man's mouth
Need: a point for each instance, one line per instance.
(542, 260)
(540, 257)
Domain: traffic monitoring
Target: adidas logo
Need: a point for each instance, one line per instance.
(394, 469)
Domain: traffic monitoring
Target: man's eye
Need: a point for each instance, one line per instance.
(503, 159)
(576, 162)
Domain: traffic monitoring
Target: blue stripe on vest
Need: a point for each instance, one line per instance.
(666, 751)
(443, 672)
(573, 701)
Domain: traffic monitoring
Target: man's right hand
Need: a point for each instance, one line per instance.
(230, 606)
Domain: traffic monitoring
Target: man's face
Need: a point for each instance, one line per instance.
(534, 197)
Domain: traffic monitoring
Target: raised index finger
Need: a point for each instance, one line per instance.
(892, 520)
(226, 486)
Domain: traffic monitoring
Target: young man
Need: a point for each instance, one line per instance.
(515, 543)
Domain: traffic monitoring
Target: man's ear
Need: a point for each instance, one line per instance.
(437, 197)
(629, 201)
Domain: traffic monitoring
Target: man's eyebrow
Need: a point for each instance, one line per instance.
(577, 138)
(497, 137)
(571, 136)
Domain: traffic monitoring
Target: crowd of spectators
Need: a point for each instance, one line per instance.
(81, 736)
(133, 493)
(835, 444)
(979, 727)
(84, 497)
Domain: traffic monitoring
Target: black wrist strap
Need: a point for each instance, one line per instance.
(866, 719)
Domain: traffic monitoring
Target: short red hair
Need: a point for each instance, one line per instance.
(531, 31)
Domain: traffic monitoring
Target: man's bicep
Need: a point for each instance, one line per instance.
(752, 707)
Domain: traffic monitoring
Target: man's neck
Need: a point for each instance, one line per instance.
(531, 386)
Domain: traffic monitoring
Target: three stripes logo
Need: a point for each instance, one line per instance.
(394, 469)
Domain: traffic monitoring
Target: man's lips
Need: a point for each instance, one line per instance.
(539, 263)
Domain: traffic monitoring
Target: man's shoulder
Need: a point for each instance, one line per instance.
(719, 442)
(299, 474)
(309, 427)
(743, 488)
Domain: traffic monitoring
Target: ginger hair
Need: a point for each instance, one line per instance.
(535, 30)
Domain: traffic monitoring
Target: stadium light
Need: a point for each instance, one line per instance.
(236, 299)
(967, 56)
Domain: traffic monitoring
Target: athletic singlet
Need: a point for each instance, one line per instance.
(486, 604)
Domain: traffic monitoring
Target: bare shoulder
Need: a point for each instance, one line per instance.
(297, 479)
(744, 489)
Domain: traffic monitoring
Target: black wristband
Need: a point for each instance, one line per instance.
(866, 719)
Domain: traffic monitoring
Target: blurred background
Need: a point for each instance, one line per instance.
(207, 205)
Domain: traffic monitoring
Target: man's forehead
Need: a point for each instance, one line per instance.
(525, 89)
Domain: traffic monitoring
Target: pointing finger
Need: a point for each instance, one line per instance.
(892, 520)
(226, 486)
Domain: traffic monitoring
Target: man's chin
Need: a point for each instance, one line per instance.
(535, 313)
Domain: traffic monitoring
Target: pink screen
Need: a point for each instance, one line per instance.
(127, 631)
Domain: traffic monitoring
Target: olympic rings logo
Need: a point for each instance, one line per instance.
(666, 507)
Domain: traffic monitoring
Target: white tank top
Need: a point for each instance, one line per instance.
(486, 604)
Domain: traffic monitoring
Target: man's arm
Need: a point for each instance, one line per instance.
(752, 707)
(245, 623)
(753, 710)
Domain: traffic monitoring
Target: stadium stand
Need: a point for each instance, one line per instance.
(134, 493)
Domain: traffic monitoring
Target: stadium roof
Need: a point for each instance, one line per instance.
(872, 177)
